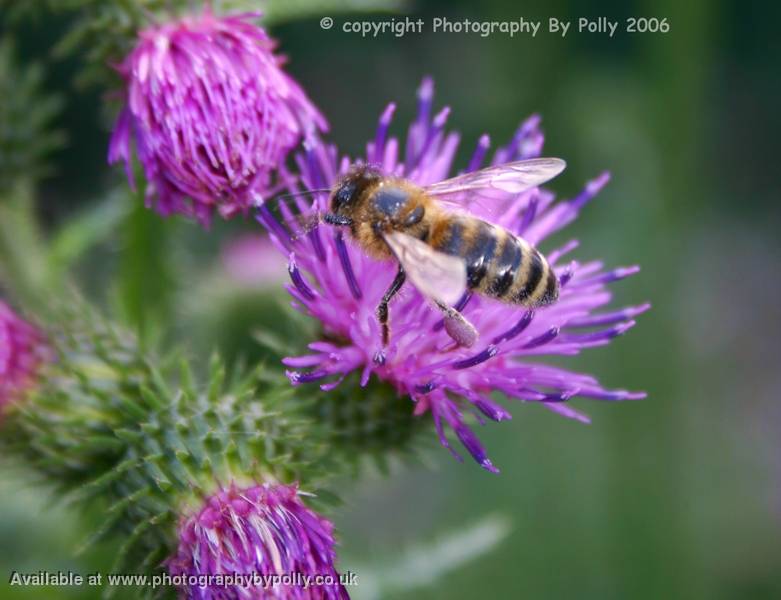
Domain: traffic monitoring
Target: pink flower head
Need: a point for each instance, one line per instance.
(22, 350)
(335, 282)
(261, 531)
(211, 112)
(251, 260)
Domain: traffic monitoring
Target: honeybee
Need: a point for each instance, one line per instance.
(440, 247)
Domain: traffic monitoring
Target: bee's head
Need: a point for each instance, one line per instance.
(348, 194)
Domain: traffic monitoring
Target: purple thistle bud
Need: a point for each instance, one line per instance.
(211, 112)
(22, 351)
(339, 285)
(264, 532)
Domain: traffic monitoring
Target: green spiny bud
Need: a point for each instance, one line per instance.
(148, 444)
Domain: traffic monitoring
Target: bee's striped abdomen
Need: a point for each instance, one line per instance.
(520, 274)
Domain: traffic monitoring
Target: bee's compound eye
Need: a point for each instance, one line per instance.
(344, 195)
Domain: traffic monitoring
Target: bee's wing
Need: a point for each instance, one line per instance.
(512, 177)
(491, 185)
(438, 276)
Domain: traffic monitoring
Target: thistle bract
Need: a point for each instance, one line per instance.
(211, 112)
(22, 351)
(335, 282)
(262, 531)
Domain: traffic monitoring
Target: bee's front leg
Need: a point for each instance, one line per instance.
(382, 309)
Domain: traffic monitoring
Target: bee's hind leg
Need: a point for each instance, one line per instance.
(382, 309)
(457, 326)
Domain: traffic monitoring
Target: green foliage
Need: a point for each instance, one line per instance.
(26, 116)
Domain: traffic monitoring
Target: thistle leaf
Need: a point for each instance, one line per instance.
(423, 564)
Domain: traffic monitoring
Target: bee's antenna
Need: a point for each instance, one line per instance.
(294, 225)
(258, 200)
(302, 193)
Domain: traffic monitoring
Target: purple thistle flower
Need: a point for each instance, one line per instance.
(211, 112)
(263, 530)
(22, 351)
(336, 283)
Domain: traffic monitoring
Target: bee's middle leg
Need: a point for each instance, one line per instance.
(382, 309)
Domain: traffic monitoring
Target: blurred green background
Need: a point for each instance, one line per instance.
(676, 496)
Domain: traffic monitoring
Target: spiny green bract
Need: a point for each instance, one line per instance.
(373, 423)
(145, 444)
